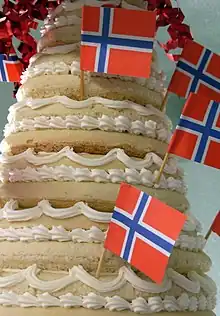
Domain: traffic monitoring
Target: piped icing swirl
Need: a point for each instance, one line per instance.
(68, 173)
(117, 154)
(105, 123)
(116, 303)
(192, 283)
(79, 235)
(12, 213)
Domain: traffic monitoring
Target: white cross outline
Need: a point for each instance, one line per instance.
(198, 134)
(200, 82)
(109, 46)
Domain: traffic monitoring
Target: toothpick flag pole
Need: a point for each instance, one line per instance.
(208, 233)
(162, 168)
(100, 264)
(82, 85)
(164, 103)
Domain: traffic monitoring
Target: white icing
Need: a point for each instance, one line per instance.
(151, 159)
(11, 213)
(79, 235)
(115, 303)
(68, 173)
(193, 283)
(61, 68)
(57, 233)
(35, 104)
(105, 123)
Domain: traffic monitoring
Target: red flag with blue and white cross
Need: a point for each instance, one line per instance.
(117, 41)
(10, 67)
(197, 136)
(143, 231)
(197, 71)
(216, 224)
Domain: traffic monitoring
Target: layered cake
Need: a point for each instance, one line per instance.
(62, 163)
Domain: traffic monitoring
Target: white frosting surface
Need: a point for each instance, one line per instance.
(193, 283)
(10, 213)
(68, 173)
(61, 68)
(115, 303)
(117, 154)
(79, 235)
(105, 123)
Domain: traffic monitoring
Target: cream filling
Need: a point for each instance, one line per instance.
(61, 68)
(94, 301)
(35, 104)
(93, 234)
(52, 282)
(105, 123)
(115, 158)
(143, 177)
(12, 213)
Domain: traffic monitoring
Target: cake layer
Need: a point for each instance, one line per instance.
(114, 159)
(94, 106)
(62, 256)
(94, 234)
(125, 289)
(66, 60)
(93, 113)
(79, 223)
(68, 171)
(94, 142)
(11, 311)
(47, 85)
(69, 13)
(63, 194)
(114, 167)
(78, 215)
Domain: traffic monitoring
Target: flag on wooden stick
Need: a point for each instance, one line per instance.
(10, 67)
(117, 41)
(143, 231)
(197, 136)
(216, 224)
(215, 227)
(197, 71)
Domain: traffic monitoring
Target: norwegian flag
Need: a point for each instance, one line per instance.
(197, 136)
(117, 41)
(216, 224)
(10, 67)
(143, 231)
(197, 71)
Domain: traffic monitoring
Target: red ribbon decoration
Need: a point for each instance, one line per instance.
(16, 20)
(173, 18)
